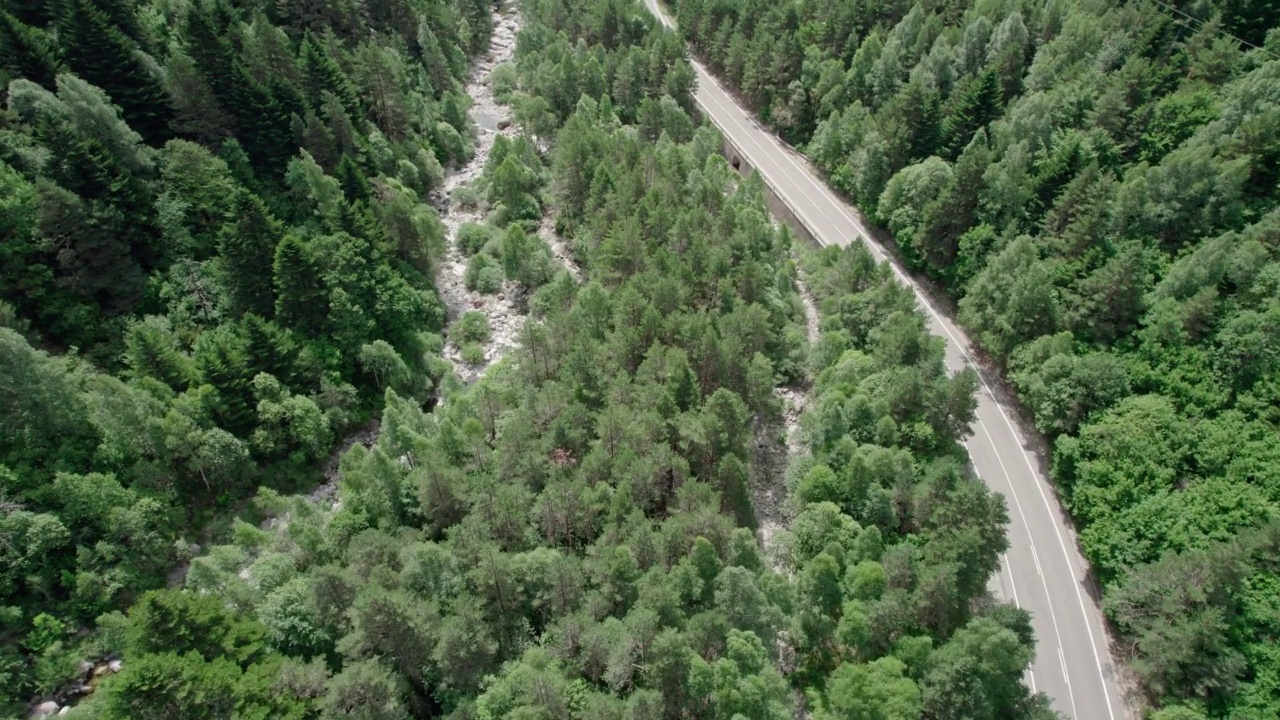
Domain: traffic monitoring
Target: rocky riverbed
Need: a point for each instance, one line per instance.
(504, 310)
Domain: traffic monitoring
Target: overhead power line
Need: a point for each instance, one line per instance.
(1224, 33)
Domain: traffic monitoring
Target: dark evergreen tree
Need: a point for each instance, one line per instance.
(208, 42)
(26, 52)
(247, 251)
(354, 185)
(268, 349)
(322, 73)
(221, 357)
(300, 295)
(152, 351)
(94, 258)
(102, 54)
(261, 106)
(971, 108)
(263, 122)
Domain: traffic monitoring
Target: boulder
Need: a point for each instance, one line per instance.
(46, 709)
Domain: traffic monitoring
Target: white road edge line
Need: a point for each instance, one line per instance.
(1012, 585)
(1006, 569)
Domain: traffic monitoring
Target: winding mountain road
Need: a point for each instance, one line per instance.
(1042, 571)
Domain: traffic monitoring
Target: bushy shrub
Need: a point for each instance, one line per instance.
(472, 237)
(483, 274)
(503, 82)
(472, 327)
(473, 354)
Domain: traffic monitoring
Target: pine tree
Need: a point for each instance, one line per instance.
(222, 358)
(36, 13)
(354, 185)
(26, 52)
(322, 73)
(268, 349)
(357, 219)
(261, 106)
(207, 43)
(247, 248)
(972, 108)
(300, 297)
(515, 252)
(951, 214)
(512, 186)
(103, 55)
(433, 59)
(453, 113)
(152, 351)
(289, 97)
(198, 114)
(88, 168)
(122, 14)
(96, 213)
(263, 120)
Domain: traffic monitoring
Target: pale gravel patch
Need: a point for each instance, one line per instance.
(506, 309)
(505, 318)
(778, 444)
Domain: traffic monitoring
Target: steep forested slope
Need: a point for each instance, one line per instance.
(1095, 183)
(569, 537)
(212, 214)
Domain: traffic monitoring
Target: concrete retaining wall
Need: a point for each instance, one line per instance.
(776, 205)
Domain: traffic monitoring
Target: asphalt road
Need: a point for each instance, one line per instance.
(1043, 571)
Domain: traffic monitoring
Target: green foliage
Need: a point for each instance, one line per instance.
(472, 327)
(363, 691)
(473, 354)
(1096, 226)
(503, 80)
(103, 54)
(27, 52)
(868, 579)
(483, 274)
(473, 237)
(879, 690)
(214, 215)
(569, 536)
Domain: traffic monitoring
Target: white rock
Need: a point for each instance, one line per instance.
(115, 666)
(45, 709)
(65, 711)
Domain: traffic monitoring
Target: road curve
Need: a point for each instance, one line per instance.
(1042, 571)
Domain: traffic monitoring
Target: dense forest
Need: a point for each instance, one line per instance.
(1094, 184)
(222, 251)
(213, 253)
